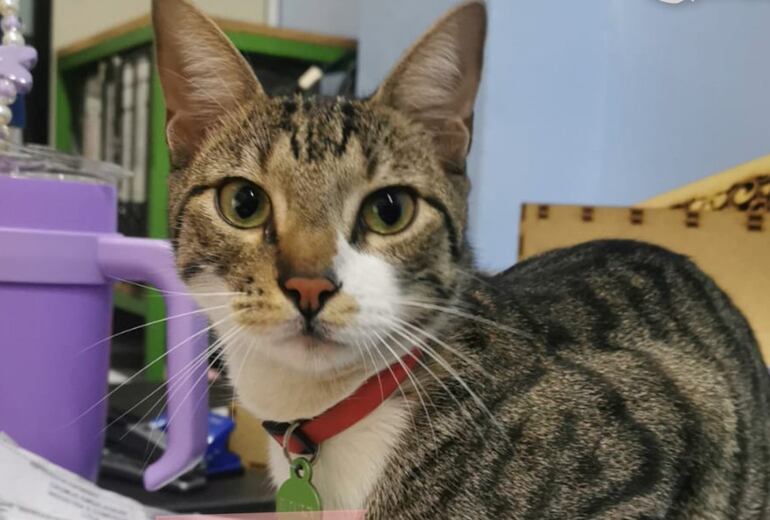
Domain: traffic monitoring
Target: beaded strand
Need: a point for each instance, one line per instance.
(11, 27)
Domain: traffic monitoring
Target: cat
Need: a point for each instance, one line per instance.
(327, 239)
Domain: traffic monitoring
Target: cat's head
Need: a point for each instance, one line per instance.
(316, 230)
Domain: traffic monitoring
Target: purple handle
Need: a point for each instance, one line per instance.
(152, 261)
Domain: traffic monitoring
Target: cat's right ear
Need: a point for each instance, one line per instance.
(202, 74)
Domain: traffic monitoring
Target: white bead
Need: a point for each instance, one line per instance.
(13, 38)
(7, 87)
(5, 132)
(9, 7)
(5, 115)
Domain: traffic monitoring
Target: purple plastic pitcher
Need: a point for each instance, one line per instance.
(59, 254)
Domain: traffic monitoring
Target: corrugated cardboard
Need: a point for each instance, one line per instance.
(248, 440)
(731, 246)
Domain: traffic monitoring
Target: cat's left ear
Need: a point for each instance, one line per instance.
(436, 81)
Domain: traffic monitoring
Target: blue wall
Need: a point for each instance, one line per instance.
(387, 28)
(611, 102)
(596, 102)
(336, 17)
(540, 116)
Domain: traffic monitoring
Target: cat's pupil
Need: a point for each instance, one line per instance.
(389, 209)
(246, 202)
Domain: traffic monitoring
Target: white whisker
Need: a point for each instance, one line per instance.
(147, 324)
(145, 368)
(419, 390)
(472, 317)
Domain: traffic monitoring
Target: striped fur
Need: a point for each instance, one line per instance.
(633, 389)
(612, 380)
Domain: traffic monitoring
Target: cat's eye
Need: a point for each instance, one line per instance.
(243, 204)
(388, 211)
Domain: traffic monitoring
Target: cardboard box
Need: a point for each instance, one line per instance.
(248, 440)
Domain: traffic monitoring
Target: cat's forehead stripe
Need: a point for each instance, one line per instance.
(318, 128)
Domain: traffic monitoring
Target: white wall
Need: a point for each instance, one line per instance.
(601, 102)
(688, 93)
(615, 101)
(541, 115)
(387, 29)
(74, 20)
(336, 17)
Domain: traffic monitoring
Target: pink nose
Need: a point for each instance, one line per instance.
(309, 294)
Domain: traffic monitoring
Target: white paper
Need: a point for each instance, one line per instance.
(31, 488)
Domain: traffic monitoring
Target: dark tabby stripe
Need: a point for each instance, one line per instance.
(178, 218)
(449, 223)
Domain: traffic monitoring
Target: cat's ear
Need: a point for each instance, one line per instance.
(437, 79)
(202, 74)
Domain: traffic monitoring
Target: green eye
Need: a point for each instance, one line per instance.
(388, 211)
(243, 204)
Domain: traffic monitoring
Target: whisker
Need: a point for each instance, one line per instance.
(400, 389)
(243, 364)
(178, 293)
(374, 367)
(455, 312)
(186, 370)
(448, 367)
(138, 327)
(145, 368)
(197, 381)
(405, 334)
(419, 390)
(452, 350)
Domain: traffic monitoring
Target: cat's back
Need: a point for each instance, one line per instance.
(624, 295)
(630, 333)
(608, 285)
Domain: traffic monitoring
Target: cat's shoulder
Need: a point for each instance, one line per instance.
(578, 260)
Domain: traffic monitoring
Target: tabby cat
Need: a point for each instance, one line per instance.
(328, 238)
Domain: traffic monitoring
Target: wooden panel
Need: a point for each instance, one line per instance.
(712, 185)
(725, 244)
(249, 440)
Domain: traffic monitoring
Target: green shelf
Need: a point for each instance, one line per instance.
(130, 303)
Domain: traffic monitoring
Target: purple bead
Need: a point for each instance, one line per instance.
(10, 22)
(15, 62)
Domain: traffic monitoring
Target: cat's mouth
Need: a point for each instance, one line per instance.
(314, 342)
(312, 333)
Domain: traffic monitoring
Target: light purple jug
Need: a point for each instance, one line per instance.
(59, 254)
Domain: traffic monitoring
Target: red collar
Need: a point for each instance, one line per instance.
(309, 433)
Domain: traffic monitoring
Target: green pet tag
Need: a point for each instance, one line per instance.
(297, 494)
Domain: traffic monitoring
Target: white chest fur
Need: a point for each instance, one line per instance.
(351, 462)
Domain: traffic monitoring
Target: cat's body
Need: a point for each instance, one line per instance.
(639, 393)
(327, 240)
(615, 373)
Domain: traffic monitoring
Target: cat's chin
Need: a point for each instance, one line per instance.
(313, 353)
(313, 344)
(284, 378)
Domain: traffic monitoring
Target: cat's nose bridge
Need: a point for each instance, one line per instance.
(305, 254)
